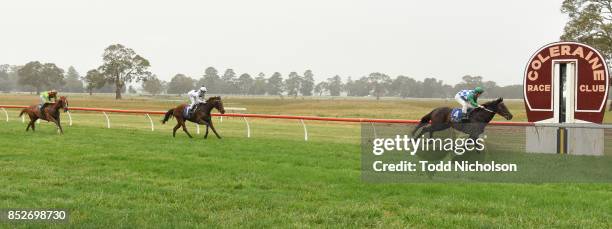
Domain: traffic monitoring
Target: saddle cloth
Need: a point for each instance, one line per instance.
(186, 112)
(456, 114)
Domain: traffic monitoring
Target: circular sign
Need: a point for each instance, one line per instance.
(587, 77)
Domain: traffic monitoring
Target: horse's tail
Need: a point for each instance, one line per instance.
(23, 111)
(424, 121)
(167, 116)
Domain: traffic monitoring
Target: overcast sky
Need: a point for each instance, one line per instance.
(442, 39)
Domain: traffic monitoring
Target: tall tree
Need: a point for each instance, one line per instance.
(180, 84)
(334, 85)
(121, 65)
(211, 80)
(590, 23)
(321, 88)
(73, 81)
(404, 87)
(229, 82)
(152, 85)
(307, 83)
(259, 85)
(41, 76)
(292, 84)
(5, 84)
(245, 83)
(275, 84)
(94, 80)
(379, 84)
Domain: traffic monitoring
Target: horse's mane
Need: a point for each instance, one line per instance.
(493, 102)
(213, 98)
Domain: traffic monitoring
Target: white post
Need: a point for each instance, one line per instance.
(6, 113)
(197, 128)
(248, 127)
(374, 130)
(107, 120)
(22, 119)
(151, 121)
(220, 118)
(69, 118)
(305, 130)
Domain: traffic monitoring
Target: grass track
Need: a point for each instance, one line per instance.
(134, 178)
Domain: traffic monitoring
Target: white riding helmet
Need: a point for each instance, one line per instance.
(203, 89)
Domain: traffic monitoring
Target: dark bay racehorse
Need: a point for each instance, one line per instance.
(479, 118)
(51, 113)
(201, 115)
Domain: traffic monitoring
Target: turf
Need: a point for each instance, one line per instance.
(131, 177)
(135, 178)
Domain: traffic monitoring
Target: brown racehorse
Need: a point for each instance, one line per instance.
(479, 118)
(201, 115)
(51, 113)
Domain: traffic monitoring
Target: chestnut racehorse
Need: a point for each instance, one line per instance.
(51, 113)
(201, 115)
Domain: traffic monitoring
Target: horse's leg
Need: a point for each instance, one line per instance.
(185, 129)
(213, 129)
(437, 127)
(57, 123)
(206, 135)
(178, 125)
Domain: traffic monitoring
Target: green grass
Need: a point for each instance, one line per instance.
(126, 177)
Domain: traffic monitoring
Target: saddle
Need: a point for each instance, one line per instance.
(456, 114)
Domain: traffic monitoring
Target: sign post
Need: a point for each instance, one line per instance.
(565, 82)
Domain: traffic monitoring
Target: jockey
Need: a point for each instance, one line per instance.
(468, 99)
(45, 97)
(196, 97)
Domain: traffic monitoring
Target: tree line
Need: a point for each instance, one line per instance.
(35, 76)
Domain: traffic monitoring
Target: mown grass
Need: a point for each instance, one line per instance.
(131, 177)
(134, 178)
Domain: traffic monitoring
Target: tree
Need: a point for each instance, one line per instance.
(259, 85)
(122, 65)
(180, 84)
(132, 90)
(94, 80)
(307, 83)
(292, 84)
(358, 87)
(379, 84)
(211, 81)
(5, 84)
(73, 81)
(590, 23)
(229, 82)
(275, 84)
(469, 82)
(432, 88)
(334, 85)
(153, 85)
(405, 87)
(321, 88)
(41, 76)
(245, 83)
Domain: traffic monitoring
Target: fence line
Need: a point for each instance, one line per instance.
(105, 111)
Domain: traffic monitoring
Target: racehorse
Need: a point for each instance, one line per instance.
(201, 115)
(479, 118)
(50, 113)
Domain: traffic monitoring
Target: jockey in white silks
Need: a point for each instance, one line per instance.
(468, 99)
(196, 97)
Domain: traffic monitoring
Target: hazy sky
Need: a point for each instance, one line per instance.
(443, 39)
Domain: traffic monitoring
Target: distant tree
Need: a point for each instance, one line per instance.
(379, 84)
(259, 85)
(292, 84)
(245, 83)
(121, 65)
(153, 85)
(432, 88)
(469, 82)
(5, 84)
(94, 80)
(180, 84)
(405, 87)
(211, 81)
(73, 81)
(132, 90)
(334, 85)
(590, 23)
(360, 87)
(321, 88)
(41, 76)
(275, 84)
(307, 83)
(229, 82)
